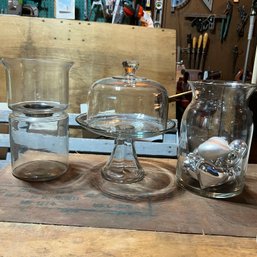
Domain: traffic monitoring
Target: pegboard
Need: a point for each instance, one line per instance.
(80, 6)
(3, 6)
(46, 8)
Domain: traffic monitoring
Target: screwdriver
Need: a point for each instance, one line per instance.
(205, 41)
(198, 55)
(194, 51)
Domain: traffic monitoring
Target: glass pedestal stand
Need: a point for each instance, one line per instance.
(123, 176)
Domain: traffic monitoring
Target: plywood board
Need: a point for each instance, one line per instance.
(97, 49)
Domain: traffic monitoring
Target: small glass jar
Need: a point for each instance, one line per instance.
(215, 139)
(39, 145)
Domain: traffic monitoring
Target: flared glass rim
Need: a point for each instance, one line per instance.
(222, 83)
(47, 60)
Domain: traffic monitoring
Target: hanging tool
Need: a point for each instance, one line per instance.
(128, 10)
(118, 13)
(178, 4)
(198, 23)
(157, 17)
(136, 13)
(29, 10)
(243, 19)
(189, 50)
(194, 41)
(86, 10)
(226, 21)
(199, 48)
(250, 36)
(235, 53)
(179, 59)
(204, 24)
(208, 3)
(204, 50)
(97, 5)
(211, 22)
(109, 7)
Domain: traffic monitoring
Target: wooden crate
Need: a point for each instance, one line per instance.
(97, 50)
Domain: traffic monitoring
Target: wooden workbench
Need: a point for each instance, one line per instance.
(68, 217)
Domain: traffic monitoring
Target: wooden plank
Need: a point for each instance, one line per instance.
(20, 240)
(97, 49)
(73, 200)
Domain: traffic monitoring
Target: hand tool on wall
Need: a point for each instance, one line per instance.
(208, 3)
(157, 17)
(204, 50)
(226, 21)
(86, 10)
(29, 10)
(178, 4)
(235, 53)
(189, 50)
(198, 23)
(199, 48)
(179, 59)
(204, 24)
(14, 7)
(194, 41)
(135, 13)
(109, 7)
(250, 35)
(97, 5)
(118, 13)
(243, 20)
(211, 22)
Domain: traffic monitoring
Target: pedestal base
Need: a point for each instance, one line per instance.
(157, 183)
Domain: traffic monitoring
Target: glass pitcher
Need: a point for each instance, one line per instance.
(215, 138)
(37, 92)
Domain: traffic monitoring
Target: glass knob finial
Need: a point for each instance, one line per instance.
(130, 66)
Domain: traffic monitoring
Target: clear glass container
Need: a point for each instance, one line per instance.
(128, 105)
(128, 108)
(39, 145)
(37, 92)
(215, 139)
(37, 85)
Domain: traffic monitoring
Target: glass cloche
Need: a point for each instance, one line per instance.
(128, 105)
(128, 108)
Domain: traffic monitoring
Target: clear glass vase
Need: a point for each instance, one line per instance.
(37, 93)
(215, 139)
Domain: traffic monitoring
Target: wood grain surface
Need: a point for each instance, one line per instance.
(97, 50)
(30, 240)
(73, 200)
